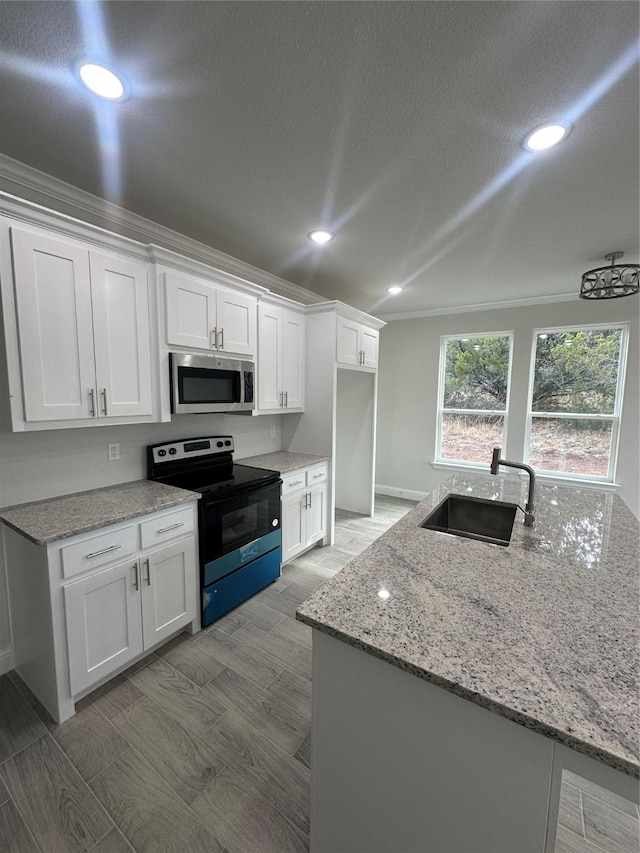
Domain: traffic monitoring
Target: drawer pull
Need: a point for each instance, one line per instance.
(315, 476)
(104, 551)
(297, 483)
(171, 527)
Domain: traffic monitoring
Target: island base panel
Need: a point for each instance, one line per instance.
(400, 764)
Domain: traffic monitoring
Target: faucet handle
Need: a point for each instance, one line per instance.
(495, 459)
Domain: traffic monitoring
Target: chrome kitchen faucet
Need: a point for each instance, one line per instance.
(529, 517)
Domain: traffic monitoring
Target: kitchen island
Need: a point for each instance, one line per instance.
(454, 680)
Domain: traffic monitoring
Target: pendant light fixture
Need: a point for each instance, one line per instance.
(612, 281)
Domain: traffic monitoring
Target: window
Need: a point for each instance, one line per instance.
(575, 400)
(473, 397)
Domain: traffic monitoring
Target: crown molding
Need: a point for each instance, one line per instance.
(484, 306)
(347, 311)
(61, 197)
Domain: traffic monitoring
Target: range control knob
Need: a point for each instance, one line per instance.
(162, 453)
(227, 444)
(219, 444)
(172, 451)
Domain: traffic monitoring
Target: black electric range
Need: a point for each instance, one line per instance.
(238, 517)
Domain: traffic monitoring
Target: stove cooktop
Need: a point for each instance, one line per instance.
(240, 477)
(204, 465)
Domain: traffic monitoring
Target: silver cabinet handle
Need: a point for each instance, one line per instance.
(286, 399)
(317, 476)
(306, 495)
(92, 402)
(221, 344)
(104, 401)
(309, 500)
(136, 577)
(282, 399)
(148, 572)
(297, 483)
(104, 551)
(214, 333)
(171, 527)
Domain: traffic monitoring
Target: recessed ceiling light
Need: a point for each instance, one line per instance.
(321, 236)
(394, 289)
(101, 80)
(546, 136)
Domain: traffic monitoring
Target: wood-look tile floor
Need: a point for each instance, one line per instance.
(205, 744)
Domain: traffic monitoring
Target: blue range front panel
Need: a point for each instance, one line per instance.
(225, 585)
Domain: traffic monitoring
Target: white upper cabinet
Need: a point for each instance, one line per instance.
(357, 344)
(121, 336)
(201, 315)
(281, 359)
(82, 330)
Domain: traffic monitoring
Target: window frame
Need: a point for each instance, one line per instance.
(439, 459)
(615, 417)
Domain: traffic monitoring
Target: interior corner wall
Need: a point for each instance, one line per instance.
(408, 387)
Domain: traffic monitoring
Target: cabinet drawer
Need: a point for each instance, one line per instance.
(317, 475)
(96, 551)
(164, 527)
(293, 482)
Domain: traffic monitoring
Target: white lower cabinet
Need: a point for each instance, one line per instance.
(85, 607)
(103, 622)
(115, 614)
(304, 510)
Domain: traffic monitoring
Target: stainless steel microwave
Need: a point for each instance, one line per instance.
(209, 383)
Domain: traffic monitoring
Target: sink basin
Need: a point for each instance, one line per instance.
(474, 518)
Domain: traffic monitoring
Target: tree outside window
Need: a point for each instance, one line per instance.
(575, 400)
(474, 391)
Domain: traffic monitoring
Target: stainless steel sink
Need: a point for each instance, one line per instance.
(474, 518)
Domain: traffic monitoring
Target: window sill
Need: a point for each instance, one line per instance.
(544, 478)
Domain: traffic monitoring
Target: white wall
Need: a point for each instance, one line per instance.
(408, 387)
(355, 418)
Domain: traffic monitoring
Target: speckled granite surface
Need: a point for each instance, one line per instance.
(64, 516)
(282, 461)
(544, 632)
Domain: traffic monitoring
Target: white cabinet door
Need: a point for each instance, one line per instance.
(293, 526)
(236, 316)
(104, 625)
(369, 346)
(316, 513)
(121, 331)
(191, 312)
(293, 381)
(168, 590)
(269, 357)
(53, 300)
(348, 339)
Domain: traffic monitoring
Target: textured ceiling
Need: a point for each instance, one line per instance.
(397, 125)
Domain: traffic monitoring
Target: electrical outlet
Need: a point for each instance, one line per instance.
(114, 452)
(273, 432)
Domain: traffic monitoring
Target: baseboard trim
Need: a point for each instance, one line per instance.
(409, 494)
(7, 662)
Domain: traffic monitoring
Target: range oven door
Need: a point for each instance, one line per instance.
(236, 530)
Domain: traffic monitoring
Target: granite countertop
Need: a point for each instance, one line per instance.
(544, 631)
(282, 461)
(59, 518)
